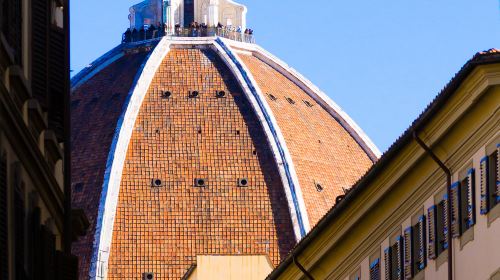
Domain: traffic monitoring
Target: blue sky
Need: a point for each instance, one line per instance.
(382, 62)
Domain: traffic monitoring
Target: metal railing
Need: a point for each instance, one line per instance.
(153, 33)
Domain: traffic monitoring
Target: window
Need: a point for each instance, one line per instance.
(394, 260)
(11, 26)
(57, 14)
(375, 270)
(308, 104)
(467, 201)
(408, 253)
(442, 225)
(375, 265)
(490, 185)
(419, 240)
(437, 221)
(455, 209)
(188, 12)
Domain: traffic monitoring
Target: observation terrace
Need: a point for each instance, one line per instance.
(154, 32)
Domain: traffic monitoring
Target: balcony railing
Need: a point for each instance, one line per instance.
(152, 33)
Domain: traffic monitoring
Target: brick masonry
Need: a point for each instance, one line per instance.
(322, 151)
(178, 139)
(96, 106)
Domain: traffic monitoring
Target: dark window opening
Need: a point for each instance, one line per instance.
(188, 12)
(308, 104)
(194, 94)
(78, 188)
(166, 94)
(272, 97)
(11, 21)
(243, 182)
(291, 101)
(156, 183)
(198, 182)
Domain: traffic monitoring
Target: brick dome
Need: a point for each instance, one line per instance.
(202, 146)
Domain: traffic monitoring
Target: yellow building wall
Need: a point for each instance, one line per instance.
(231, 268)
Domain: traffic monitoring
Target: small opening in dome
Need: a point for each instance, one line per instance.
(243, 182)
(78, 187)
(199, 182)
(291, 101)
(156, 183)
(254, 152)
(221, 94)
(194, 94)
(319, 187)
(272, 97)
(308, 104)
(166, 94)
(237, 132)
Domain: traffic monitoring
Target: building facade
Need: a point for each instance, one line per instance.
(34, 83)
(201, 145)
(429, 209)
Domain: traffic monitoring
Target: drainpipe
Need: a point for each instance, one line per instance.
(448, 189)
(306, 273)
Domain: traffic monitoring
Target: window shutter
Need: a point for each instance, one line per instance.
(468, 201)
(11, 18)
(432, 222)
(455, 209)
(388, 263)
(4, 272)
(483, 169)
(419, 259)
(498, 174)
(375, 270)
(408, 253)
(397, 259)
(57, 82)
(444, 223)
(39, 50)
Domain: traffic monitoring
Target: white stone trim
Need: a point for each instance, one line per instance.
(312, 90)
(272, 142)
(116, 160)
